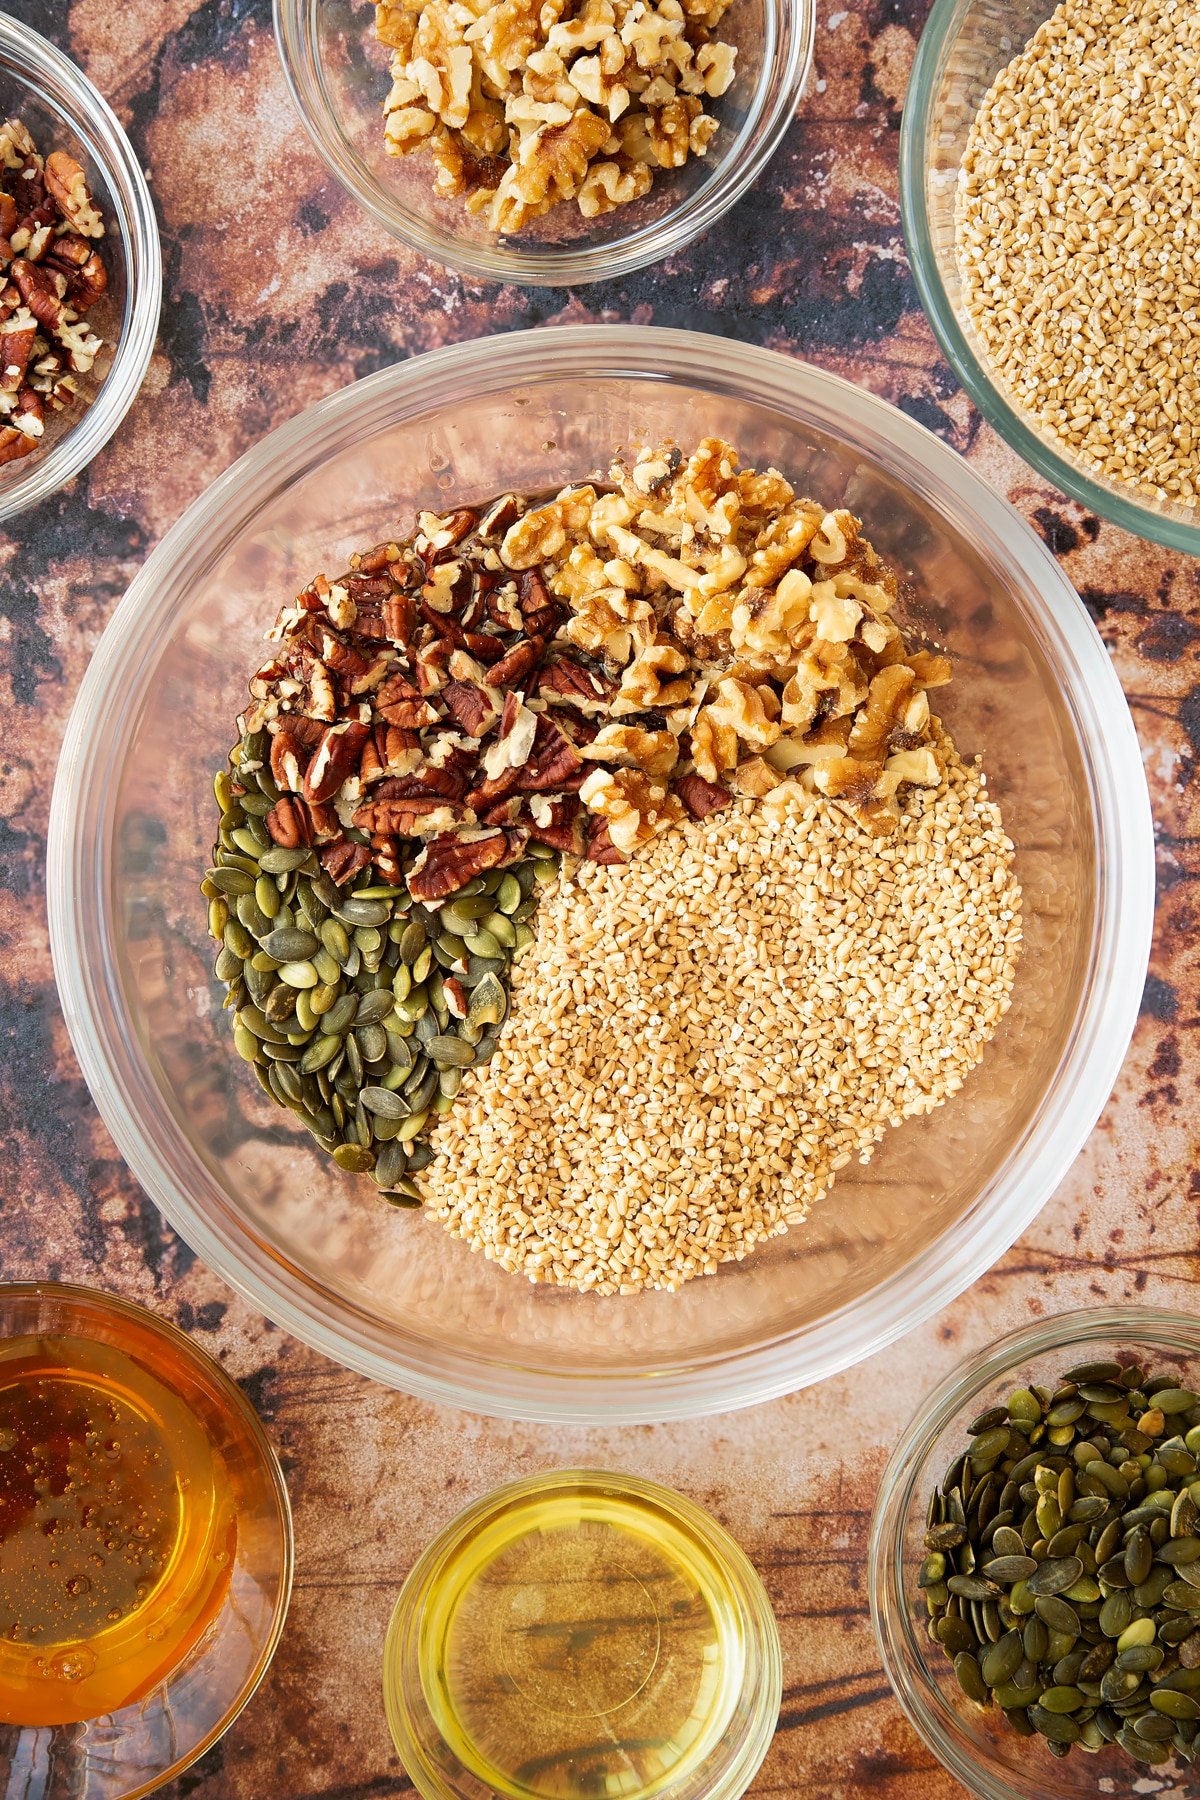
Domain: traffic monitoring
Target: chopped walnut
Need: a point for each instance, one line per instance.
(634, 807)
(524, 109)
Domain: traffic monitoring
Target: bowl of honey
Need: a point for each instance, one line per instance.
(145, 1547)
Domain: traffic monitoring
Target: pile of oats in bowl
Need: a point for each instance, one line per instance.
(1077, 235)
(526, 106)
(647, 769)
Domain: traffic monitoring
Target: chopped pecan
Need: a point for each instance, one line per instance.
(701, 797)
(400, 703)
(559, 822)
(336, 757)
(569, 679)
(516, 664)
(385, 854)
(67, 185)
(37, 289)
(289, 760)
(539, 609)
(343, 861)
(449, 862)
(288, 823)
(553, 762)
(473, 707)
(400, 618)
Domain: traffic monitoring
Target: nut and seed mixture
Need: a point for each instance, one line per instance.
(698, 1042)
(525, 104)
(51, 274)
(1062, 1571)
(1078, 236)
(546, 683)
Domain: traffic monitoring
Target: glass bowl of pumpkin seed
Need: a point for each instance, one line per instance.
(1034, 1566)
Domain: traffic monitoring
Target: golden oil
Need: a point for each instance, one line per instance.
(117, 1527)
(581, 1636)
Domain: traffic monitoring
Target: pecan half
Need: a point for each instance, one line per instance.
(336, 757)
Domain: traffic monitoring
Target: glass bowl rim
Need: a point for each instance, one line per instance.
(886, 1593)
(551, 266)
(78, 852)
(730, 1782)
(917, 126)
(102, 1301)
(35, 59)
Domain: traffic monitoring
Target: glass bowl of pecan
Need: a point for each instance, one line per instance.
(546, 145)
(417, 454)
(80, 270)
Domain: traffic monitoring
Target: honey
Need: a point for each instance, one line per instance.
(117, 1526)
(579, 1636)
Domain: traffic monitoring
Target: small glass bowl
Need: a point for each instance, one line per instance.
(963, 47)
(338, 75)
(978, 1746)
(63, 111)
(130, 1752)
(664, 1566)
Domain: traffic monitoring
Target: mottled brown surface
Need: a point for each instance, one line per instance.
(256, 326)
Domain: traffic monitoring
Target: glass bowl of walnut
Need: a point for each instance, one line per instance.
(546, 144)
(436, 452)
(80, 270)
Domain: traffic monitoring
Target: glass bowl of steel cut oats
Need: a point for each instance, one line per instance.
(543, 847)
(546, 144)
(80, 270)
(1048, 189)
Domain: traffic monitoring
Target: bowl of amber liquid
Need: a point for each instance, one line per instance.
(145, 1548)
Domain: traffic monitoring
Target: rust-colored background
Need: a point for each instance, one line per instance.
(278, 291)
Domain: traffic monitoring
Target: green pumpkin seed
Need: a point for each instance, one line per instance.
(321, 1053)
(375, 1007)
(371, 1039)
(288, 944)
(228, 965)
(299, 974)
(411, 1127)
(452, 1052)
(1008, 1569)
(354, 911)
(231, 881)
(387, 1104)
(1056, 1728)
(278, 861)
(354, 1158)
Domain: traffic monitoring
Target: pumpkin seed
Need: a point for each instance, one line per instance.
(354, 1158)
(289, 944)
(383, 1101)
(375, 1006)
(278, 861)
(320, 1054)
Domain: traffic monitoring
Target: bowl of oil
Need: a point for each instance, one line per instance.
(145, 1547)
(582, 1634)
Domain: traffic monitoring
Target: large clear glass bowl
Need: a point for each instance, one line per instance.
(338, 75)
(979, 1747)
(964, 46)
(390, 1293)
(63, 111)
